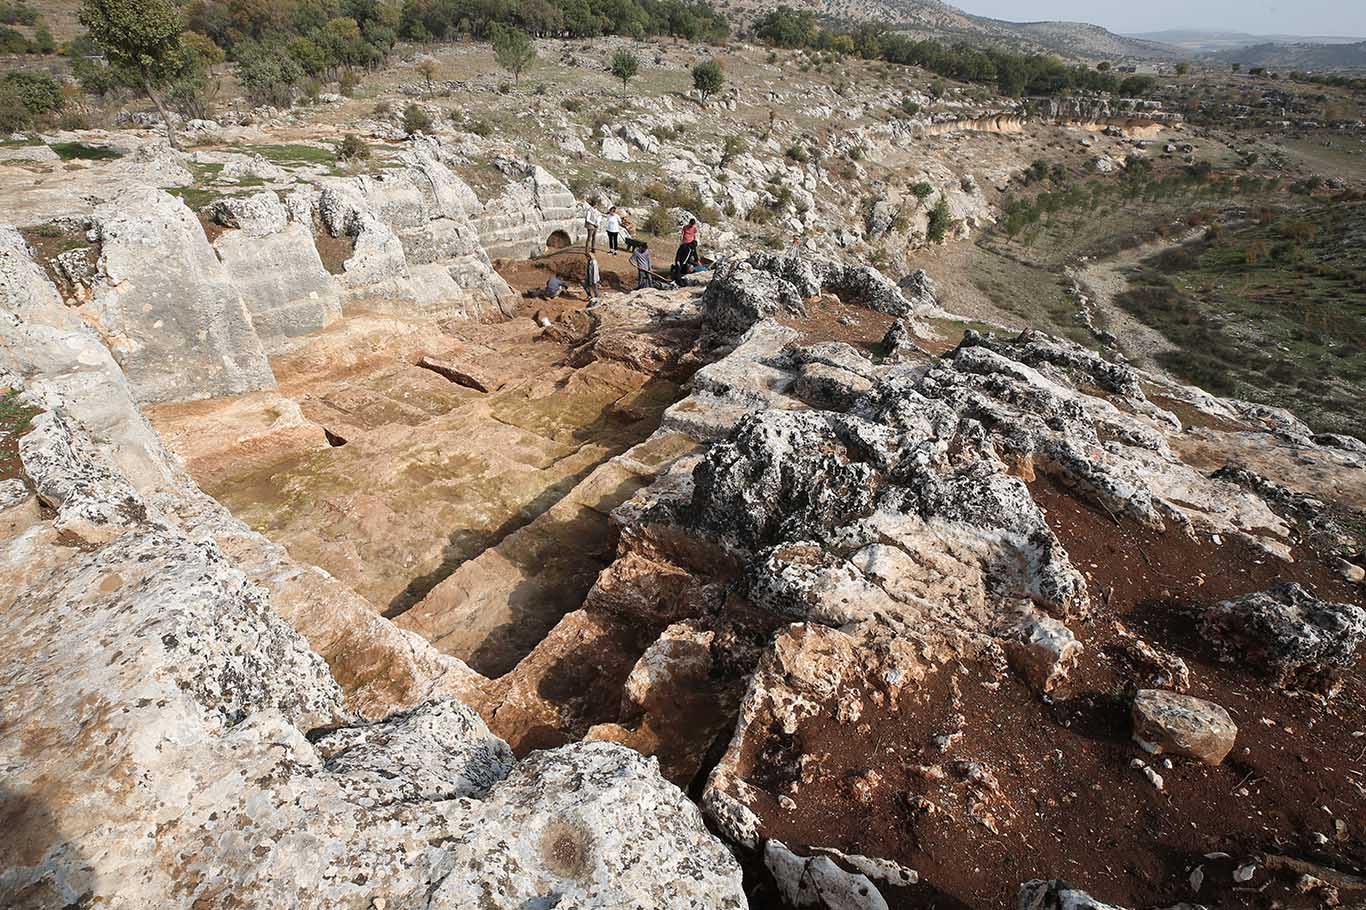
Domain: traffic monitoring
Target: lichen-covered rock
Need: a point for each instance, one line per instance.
(899, 344)
(819, 882)
(439, 750)
(789, 475)
(1182, 725)
(765, 285)
(1288, 636)
(47, 349)
(93, 503)
(740, 295)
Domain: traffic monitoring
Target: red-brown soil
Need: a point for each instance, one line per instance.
(831, 319)
(569, 263)
(1069, 805)
(333, 251)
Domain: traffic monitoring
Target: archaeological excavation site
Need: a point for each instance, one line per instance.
(339, 568)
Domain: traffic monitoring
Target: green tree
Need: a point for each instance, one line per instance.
(1182, 69)
(624, 66)
(267, 72)
(708, 79)
(142, 41)
(513, 50)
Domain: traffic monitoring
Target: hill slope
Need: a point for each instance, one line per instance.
(940, 20)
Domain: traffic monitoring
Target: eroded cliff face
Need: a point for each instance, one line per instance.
(884, 602)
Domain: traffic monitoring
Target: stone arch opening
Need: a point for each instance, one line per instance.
(557, 240)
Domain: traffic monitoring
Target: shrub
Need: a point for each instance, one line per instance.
(352, 148)
(922, 190)
(416, 119)
(940, 222)
(708, 79)
(348, 83)
(798, 154)
(73, 120)
(17, 12)
(383, 109)
(573, 105)
(12, 41)
(268, 73)
(732, 148)
(43, 42)
(39, 92)
(658, 222)
(14, 114)
(481, 128)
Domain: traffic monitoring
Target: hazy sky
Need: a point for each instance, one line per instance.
(1288, 17)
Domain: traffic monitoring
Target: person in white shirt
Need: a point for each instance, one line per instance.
(592, 220)
(592, 279)
(613, 225)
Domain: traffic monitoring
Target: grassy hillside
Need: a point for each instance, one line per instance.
(1273, 311)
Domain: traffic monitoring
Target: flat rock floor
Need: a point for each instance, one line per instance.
(390, 475)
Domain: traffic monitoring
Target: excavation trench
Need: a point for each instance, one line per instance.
(459, 476)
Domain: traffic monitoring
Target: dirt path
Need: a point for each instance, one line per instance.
(1104, 280)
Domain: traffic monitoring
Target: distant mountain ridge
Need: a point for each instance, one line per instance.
(933, 18)
(1304, 56)
(1208, 41)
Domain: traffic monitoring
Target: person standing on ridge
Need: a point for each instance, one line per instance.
(592, 220)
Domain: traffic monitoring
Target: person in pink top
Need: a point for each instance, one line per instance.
(690, 236)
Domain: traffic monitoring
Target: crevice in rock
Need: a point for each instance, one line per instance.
(335, 440)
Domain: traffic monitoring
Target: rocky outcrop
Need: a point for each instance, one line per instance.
(1288, 636)
(167, 307)
(767, 285)
(47, 350)
(271, 257)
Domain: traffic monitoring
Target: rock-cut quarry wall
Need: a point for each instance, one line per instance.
(187, 317)
(167, 739)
